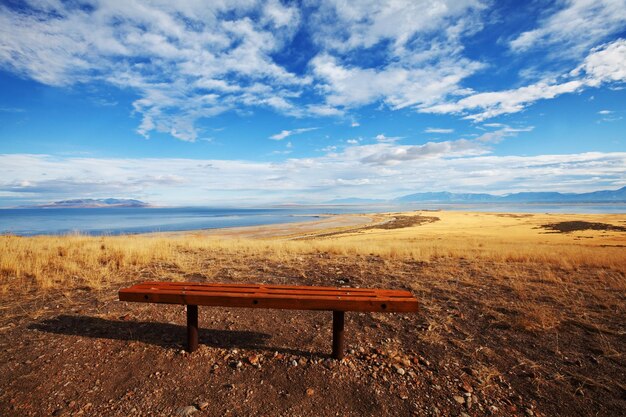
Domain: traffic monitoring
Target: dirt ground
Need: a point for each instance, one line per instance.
(491, 338)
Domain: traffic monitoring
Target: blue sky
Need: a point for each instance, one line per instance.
(213, 103)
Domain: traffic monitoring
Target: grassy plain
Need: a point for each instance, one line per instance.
(530, 309)
(64, 262)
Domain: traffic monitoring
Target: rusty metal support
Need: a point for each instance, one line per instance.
(338, 321)
(192, 328)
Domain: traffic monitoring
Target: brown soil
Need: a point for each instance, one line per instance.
(84, 353)
(577, 226)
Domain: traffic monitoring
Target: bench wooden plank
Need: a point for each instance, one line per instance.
(263, 295)
(268, 287)
(265, 291)
(336, 299)
(279, 297)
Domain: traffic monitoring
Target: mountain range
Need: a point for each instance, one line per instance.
(603, 196)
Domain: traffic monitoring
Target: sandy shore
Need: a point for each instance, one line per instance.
(330, 222)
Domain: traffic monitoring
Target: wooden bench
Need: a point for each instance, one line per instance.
(337, 300)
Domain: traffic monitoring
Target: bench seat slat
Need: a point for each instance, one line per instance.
(267, 286)
(285, 291)
(274, 296)
(258, 295)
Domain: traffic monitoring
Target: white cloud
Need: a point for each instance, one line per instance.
(499, 135)
(323, 110)
(342, 26)
(604, 64)
(353, 181)
(575, 27)
(438, 130)
(190, 61)
(420, 59)
(493, 104)
(378, 171)
(286, 133)
(384, 139)
(282, 135)
(393, 155)
(425, 77)
(187, 60)
(608, 116)
(352, 141)
(396, 85)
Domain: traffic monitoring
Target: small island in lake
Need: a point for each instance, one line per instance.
(94, 203)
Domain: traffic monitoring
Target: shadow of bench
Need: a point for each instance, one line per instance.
(165, 335)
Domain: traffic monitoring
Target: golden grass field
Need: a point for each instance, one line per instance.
(62, 262)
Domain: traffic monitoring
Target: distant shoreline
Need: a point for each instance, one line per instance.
(406, 205)
(208, 221)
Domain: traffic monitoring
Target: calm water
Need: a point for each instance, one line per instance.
(99, 221)
(102, 221)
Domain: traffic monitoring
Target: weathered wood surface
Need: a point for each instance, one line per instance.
(272, 296)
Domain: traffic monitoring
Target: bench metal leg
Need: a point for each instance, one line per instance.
(338, 319)
(192, 328)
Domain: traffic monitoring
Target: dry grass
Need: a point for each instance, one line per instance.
(45, 262)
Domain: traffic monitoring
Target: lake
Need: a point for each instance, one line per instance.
(114, 221)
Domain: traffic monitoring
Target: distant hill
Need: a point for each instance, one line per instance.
(604, 196)
(95, 203)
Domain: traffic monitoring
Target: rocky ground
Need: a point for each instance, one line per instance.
(472, 350)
